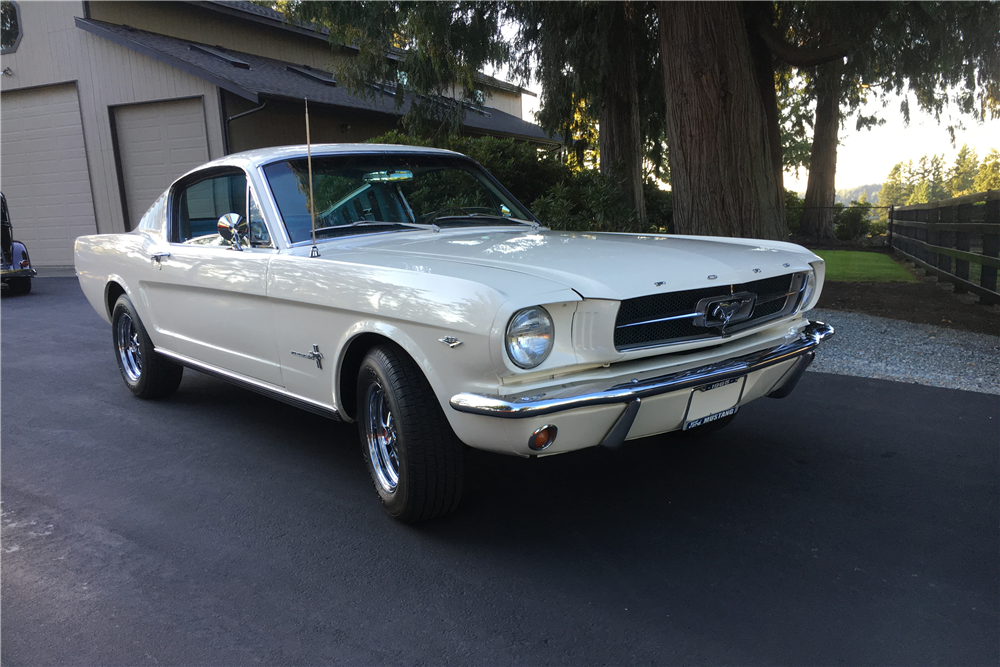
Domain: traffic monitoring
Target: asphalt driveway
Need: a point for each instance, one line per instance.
(854, 522)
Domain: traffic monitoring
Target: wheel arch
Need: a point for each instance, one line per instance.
(112, 291)
(345, 387)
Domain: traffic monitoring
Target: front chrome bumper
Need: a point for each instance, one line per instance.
(495, 406)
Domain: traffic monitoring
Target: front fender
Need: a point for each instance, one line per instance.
(445, 365)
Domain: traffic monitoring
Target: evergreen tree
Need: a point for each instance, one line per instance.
(718, 61)
(988, 177)
(963, 174)
(920, 194)
(897, 187)
(928, 48)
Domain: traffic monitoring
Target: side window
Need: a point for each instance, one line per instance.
(199, 206)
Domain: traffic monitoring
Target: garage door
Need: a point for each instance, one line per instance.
(157, 142)
(44, 172)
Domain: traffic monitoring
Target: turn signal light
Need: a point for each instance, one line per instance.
(542, 438)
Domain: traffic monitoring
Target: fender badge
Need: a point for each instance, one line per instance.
(315, 355)
(450, 341)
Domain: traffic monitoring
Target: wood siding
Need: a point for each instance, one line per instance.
(281, 123)
(54, 50)
(190, 22)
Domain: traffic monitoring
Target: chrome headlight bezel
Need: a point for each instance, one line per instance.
(808, 290)
(529, 337)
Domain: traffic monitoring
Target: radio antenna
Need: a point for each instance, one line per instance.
(312, 205)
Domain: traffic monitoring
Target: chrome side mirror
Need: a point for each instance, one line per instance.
(233, 227)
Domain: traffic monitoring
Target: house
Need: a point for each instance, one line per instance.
(104, 104)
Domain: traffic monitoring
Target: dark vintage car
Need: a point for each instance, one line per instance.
(16, 271)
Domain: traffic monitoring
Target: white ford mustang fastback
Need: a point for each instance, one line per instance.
(426, 303)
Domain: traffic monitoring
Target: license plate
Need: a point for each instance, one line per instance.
(715, 401)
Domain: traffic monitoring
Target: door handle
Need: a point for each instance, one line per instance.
(158, 257)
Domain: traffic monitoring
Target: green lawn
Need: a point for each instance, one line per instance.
(851, 266)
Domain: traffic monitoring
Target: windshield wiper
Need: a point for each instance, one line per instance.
(440, 214)
(378, 223)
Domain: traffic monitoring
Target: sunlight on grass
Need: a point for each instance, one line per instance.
(850, 266)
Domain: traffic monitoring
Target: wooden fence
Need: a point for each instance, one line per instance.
(957, 240)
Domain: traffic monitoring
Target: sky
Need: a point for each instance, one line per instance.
(867, 156)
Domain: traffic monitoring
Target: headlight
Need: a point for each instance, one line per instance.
(529, 337)
(808, 289)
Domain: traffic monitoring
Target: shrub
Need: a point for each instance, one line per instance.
(878, 228)
(588, 201)
(853, 222)
(659, 207)
(793, 211)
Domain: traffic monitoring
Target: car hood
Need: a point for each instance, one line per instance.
(602, 265)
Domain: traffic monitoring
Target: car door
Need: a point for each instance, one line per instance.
(206, 297)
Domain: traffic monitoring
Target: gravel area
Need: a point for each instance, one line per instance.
(877, 347)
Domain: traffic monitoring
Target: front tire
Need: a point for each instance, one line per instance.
(146, 373)
(412, 455)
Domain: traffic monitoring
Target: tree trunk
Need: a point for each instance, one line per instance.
(817, 216)
(620, 136)
(718, 128)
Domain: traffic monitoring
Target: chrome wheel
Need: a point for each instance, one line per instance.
(381, 436)
(127, 344)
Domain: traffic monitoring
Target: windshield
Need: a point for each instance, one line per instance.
(354, 193)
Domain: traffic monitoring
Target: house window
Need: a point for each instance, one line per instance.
(10, 26)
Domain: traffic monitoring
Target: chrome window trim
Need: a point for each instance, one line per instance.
(251, 192)
(273, 204)
(192, 179)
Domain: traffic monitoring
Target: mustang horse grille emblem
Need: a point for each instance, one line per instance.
(315, 355)
(720, 312)
(725, 310)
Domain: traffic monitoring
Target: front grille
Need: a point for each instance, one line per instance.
(634, 328)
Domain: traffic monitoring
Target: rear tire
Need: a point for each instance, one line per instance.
(412, 455)
(18, 286)
(146, 373)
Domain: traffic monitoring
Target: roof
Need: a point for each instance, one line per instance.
(253, 77)
(274, 18)
(259, 156)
